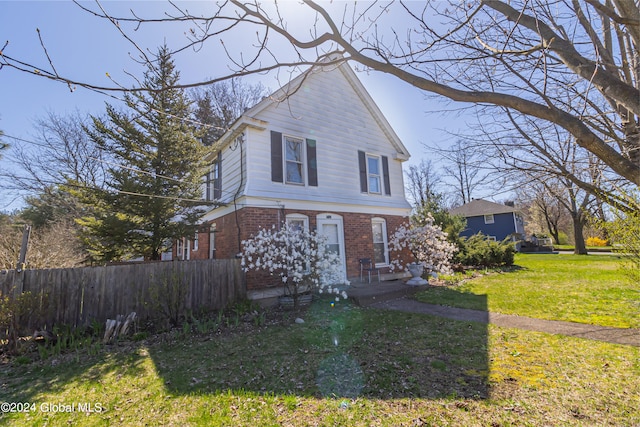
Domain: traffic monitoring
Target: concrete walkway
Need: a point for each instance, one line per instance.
(395, 295)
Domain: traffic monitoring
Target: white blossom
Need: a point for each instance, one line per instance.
(299, 257)
(428, 245)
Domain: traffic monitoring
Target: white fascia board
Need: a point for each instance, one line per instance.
(268, 203)
(236, 129)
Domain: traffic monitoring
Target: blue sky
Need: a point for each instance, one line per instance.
(86, 48)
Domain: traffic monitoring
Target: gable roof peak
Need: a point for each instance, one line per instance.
(331, 62)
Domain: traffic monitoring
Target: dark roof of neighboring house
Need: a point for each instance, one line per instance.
(479, 207)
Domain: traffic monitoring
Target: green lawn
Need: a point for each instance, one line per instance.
(344, 366)
(589, 248)
(587, 289)
(355, 366)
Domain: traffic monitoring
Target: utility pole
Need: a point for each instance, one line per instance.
(22, 259)
(18, 283)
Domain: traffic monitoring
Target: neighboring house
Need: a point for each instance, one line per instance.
(494, 220)
(319, 154)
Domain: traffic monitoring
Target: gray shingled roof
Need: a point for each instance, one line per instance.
(480, 207)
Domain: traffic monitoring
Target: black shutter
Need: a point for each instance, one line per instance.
(217, 189)
(312, 163)
(385, 175)
(276, 156)
(362, 164)
(207, 186)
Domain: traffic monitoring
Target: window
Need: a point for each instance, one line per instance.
(301, 223)
(294, 160)
(491, 238)
(195, 241)
(179, 248)
(213, 184)
(380, 249)
(182, 249)
(298, 221)
(212, 241)
(373, 174)
(488, 219)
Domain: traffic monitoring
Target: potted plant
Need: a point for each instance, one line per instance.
(298, 257)
(431, 252)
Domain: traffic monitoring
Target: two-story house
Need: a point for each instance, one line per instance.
(495, 220)
(317, 153)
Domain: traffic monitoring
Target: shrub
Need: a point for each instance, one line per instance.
(17, 313)
(478, 251)
(167, 295)
(596, 241)
(300, 258)
(624, 232)
(427, 244)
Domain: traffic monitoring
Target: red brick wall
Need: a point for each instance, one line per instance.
(357, 235)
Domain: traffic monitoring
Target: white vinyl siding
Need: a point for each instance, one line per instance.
(340, 126)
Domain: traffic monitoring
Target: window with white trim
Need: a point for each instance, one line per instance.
(298, 221)
(380, 244)
(182, 248)
(374, 174)
(195, 241)
(294, 160)
(489, 219)
(491, 238)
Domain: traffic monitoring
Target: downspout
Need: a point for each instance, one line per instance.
(240, 140)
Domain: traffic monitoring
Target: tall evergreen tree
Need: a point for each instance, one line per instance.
(153, 195)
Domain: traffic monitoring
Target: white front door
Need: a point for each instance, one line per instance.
(330, 225)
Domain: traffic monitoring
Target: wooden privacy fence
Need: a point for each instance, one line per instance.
(78, 296)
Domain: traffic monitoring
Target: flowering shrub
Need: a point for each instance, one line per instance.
(298, 257)
(427, 243)
(596, 241)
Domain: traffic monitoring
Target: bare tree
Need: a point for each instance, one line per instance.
(573, 63)
(59, 157)
(464, 163)
(545, 212)
(423, 183)
(548, 159)
(220, 104)
(59, 153)
(55, 246)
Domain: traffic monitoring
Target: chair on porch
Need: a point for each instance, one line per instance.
(367, 266)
